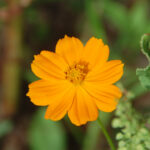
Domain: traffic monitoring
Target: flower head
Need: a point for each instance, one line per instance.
(76, 80)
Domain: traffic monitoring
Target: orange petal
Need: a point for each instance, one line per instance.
(95, 52)
(83, 108)
(105, 107)
(48, 65)
(70, 48)
(104, 96)
(43, 92)
(59, 107)
(110, 73)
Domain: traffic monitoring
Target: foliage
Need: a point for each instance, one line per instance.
(144, 74)
(131, 23)
(134, 132)
(5, 127)
(134, 127)
(46, 134)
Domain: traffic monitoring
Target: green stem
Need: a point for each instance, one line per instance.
(108, 138)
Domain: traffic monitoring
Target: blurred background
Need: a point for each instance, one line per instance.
(29, 26)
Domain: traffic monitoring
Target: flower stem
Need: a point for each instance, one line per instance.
(108, 138)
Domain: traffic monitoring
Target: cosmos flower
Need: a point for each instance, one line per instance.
(76, 80)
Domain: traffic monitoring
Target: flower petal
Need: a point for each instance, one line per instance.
(95, 52)
(70, 48)
(83, 108)
(111, 72)
(105, 107)
(43, 92)
(105, 96)
(48, 65)
(59, 108)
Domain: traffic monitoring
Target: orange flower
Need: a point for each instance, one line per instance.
(76, 79)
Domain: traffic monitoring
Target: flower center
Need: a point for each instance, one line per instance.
(77, 72)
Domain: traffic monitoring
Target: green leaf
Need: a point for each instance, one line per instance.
(5, 127)
(94, 20)
(145, 45)
(121, 143)
(144, 74)
(119, 136)
(116, 123)
(46, 134)
(133, 134)
(111, 9)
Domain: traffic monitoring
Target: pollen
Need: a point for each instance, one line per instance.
(77, 72)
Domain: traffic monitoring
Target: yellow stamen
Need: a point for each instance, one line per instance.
(77, 72)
